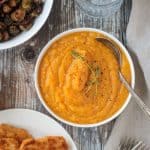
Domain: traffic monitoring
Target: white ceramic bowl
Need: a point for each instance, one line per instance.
(26, 35)
(60, 36)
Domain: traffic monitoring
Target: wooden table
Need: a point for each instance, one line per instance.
(17, 64)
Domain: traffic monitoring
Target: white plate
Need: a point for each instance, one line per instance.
(36, 123)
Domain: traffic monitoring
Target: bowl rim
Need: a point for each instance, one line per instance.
(44, 50)
(27, 35)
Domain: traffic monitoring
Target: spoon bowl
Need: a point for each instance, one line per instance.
(112, 47)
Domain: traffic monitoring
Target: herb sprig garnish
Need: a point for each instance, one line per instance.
(95, 71)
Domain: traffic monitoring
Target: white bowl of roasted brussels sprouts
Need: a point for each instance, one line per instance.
(21, 19)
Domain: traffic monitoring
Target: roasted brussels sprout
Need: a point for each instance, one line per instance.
(13, 30)
(24, 27)
(18, 15)
(13, 3)
(27, 5)
(2, 26)
(7, 20)
(36, 12)
(39, 9)
(6, 36)
(6, 8)
(26, 24)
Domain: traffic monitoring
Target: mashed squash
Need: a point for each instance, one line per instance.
(78, 79)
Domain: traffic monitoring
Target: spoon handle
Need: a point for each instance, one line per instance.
(139, 101)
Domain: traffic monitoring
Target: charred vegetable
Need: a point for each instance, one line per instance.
(27, 5)
(26, 24)
(2, 26)
(5, 36)
(6, 8)
(18, 15)
(7, 20)
(13, 3)
(14, 30)
(36, 11)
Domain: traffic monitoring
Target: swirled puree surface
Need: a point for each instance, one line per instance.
(78, 79)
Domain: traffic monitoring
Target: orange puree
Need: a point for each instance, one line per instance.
(83, 89)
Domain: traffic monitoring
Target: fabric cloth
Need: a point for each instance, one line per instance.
(133, 123)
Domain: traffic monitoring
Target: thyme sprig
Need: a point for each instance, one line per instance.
(95, 71)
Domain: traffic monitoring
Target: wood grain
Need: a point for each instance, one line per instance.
(17, 64)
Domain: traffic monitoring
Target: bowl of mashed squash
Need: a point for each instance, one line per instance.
(76, 78)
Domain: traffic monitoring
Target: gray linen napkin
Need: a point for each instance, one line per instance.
(133, 123)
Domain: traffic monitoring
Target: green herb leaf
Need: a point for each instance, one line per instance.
(75, 54)
(97, 71)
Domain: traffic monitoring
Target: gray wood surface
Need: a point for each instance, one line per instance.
(17, 64)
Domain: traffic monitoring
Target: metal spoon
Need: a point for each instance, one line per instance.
(117, 53)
